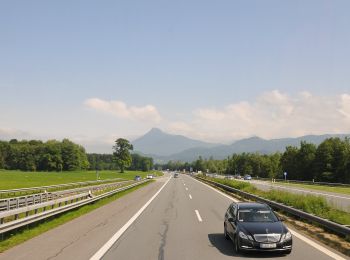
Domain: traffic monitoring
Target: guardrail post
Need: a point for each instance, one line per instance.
(16, 216)
(27, 213)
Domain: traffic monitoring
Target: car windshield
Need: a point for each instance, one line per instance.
(256, 215)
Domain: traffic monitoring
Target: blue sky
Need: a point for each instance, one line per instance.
(212, 70)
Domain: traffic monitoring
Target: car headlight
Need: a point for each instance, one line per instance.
(287, 236)
(244, 236)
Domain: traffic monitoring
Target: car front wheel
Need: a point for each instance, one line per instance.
(225, 233)
(235, 245)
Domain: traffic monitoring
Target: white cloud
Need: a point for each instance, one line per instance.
(121, 110)
(11, 133)
(271, 115)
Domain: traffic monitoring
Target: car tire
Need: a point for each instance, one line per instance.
(236, 246)
(225, 233)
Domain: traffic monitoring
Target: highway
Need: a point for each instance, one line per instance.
(338, 200)
(186, 222)
(183, 221)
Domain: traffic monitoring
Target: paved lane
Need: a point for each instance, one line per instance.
(82, 237)
(170, 228)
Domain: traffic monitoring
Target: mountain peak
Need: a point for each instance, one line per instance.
(155, 130)
(157, 142)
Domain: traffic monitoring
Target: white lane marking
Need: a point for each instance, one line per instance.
(103, 250)
(298, 235)
(190, 196)
(186, 188)
(198, 216)
(306, 191)
(210, 187)
(317, 246)
(184, 184)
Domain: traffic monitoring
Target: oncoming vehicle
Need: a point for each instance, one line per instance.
(247, 177)
(176, 175)
(255, 227)
(149, 176)
(137, 178)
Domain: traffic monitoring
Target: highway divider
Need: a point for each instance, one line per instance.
(55, 187)
(37, 198)
(335, 227)
(13, 219)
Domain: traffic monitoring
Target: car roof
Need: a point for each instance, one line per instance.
(252, 205)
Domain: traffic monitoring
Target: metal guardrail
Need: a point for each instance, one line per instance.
(23, 201)
(335, 227)
(58, 186)
(56, 207)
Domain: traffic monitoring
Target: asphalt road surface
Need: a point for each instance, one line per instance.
(338, 200)
(184, 221)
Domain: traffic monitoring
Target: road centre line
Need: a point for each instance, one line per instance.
(298, 235)
(223, 194)
(103, 250)
(198, 216)
(190, 196)
(186, 188)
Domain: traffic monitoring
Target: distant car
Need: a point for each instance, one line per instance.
(149, 176)
(137, 178)
(176, 175)
(255, 227)
(247, 177)
(229, 177)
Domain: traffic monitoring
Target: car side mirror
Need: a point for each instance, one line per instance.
(281, 219)
(230, 219)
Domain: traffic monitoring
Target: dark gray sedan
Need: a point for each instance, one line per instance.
(255, 227)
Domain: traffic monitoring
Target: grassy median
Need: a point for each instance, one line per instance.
(19, 236)
(308, 203)
(335, 189)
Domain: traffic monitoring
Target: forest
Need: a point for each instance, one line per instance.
(327, 162)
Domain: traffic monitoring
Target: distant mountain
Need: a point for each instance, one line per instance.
(248, 145)
(158, 143)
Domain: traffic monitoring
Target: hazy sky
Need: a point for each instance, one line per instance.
(221, 70)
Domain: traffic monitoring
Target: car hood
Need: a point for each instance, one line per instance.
(263, 227)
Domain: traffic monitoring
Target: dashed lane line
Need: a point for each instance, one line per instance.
(298, 235)
(198, 216)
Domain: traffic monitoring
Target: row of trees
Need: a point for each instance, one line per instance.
(330, 162)
(35, 155)
(108, 162)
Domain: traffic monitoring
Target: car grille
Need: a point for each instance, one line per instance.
(267, 238)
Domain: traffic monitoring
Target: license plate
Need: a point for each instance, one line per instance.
(267, 245)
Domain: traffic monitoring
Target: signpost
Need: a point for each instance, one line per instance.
(285, 176)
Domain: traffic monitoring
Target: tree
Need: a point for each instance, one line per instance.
(122, 154)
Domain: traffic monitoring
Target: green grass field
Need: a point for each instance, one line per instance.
(20, 179)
